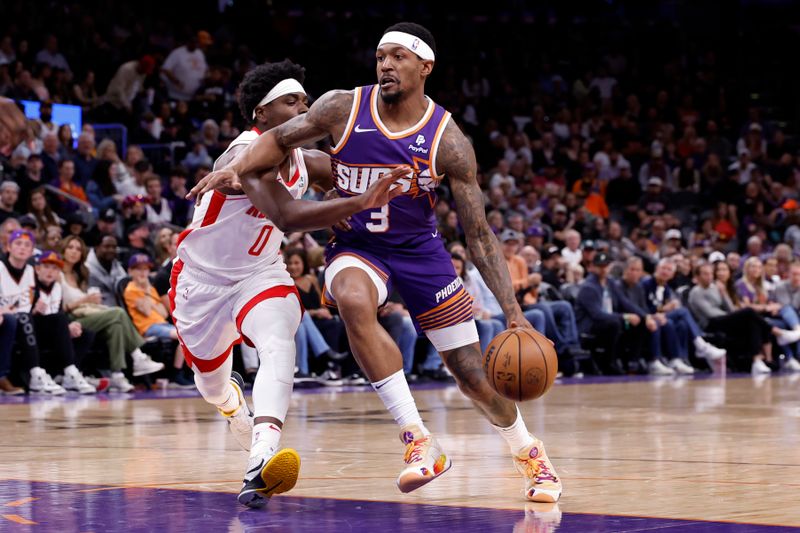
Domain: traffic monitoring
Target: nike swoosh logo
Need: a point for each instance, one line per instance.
(379, 386)
(435, 234)
(359, 129)
(256, 468)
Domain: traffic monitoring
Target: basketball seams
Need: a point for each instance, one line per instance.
(544, 359)
(494, 361)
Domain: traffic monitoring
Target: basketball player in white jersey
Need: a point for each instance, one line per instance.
(229, 283)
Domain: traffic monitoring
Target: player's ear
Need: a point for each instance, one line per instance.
(427, 68)
(261, 114)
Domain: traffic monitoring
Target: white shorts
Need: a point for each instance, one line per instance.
(208, 314)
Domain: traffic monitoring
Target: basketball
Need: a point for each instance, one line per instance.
(521, 364)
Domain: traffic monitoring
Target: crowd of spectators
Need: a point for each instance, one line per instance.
(649, 215)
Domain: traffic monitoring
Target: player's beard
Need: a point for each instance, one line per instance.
(391, 98)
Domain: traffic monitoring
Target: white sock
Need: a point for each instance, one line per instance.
(266, 439)
(396, 396)
(516, 434)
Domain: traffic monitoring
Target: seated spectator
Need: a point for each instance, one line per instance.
(571, 253)
(105, 270)
(517, 267)
(175, 194)
(156, 207)
(601, 311)
(52, 236)
(139, 240)
(787, 294)
(65, 183)
(753, 293)
(6, 229)
(85, 306)
(55, 327)
(665, 306)
(9, 195)
(747, 333)
(84, 160)
(40, 210)
(17, 284)
(149, 315)
(30, 178)
(105, 224)
(560, 325)
(100, 189)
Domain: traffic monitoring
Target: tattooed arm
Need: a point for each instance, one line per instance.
(456, 159)
(327, 116)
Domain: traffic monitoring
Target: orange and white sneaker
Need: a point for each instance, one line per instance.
(542, 483)
(425, 459)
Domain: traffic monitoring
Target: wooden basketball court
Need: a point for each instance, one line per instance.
(691, 454)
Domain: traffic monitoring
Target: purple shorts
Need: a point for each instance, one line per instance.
(423, 276)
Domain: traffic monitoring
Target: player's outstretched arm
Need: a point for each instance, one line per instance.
(456, 159)
(327, 116)
(12, 121)
(271, 198)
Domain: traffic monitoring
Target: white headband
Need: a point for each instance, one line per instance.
(283, 87)
(412, 42)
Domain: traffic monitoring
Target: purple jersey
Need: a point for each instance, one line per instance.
(367, 150)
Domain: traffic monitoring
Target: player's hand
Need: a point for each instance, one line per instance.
(343, 224)
(382, 191)
(224, 178)
(12, 120)
(521, 322)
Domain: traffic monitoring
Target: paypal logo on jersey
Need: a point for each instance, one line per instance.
(418, 148)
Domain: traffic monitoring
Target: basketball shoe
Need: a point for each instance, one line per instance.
(240, 420)
(542, 484)
(425, 459)
(267, 476)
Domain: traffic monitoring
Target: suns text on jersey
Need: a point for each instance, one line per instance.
(356, 179)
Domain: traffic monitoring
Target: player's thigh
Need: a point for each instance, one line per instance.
(202, 316)
(356, 278)
(267, 302)
(436, 299)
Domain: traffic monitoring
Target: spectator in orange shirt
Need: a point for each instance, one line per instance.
(147, 312)
(517, 266)
(149, 315)
(66, 173)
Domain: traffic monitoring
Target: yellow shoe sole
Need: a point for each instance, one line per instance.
(280, 473)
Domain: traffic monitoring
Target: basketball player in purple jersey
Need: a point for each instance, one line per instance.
(376, 128)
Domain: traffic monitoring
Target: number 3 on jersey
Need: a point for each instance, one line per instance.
(261, 241)
(381, 220)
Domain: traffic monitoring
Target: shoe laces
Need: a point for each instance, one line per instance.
(415, 450)
(538, 470)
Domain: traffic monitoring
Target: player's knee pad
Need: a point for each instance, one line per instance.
(280, 354)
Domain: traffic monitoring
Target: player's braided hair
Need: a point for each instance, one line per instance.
(416, 30)
(260, 80)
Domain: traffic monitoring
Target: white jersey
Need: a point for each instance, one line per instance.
(52, 299)
(17, 294)
(229, 239)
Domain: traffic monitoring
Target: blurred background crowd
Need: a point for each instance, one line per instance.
(639, 166)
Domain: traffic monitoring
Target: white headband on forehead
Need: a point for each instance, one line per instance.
(283, 87)
(412, 42)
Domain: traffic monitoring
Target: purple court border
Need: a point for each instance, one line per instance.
(74, 507)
